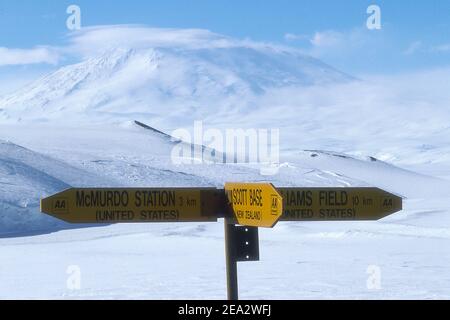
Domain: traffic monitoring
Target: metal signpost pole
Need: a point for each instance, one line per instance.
(231, 261)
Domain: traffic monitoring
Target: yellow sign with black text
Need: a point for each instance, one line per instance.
(255, 204)
(252, 204)
(337, 204)
(134, 205)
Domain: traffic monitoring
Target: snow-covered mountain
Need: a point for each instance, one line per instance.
(170, 78)
(155, 80)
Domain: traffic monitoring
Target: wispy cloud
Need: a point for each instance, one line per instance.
(93, 40)
(328, 38)
(357, 50)
(442, 48)
(413, 48)
(322, 43)
(325, 38)
(37, 55)
(295, 37)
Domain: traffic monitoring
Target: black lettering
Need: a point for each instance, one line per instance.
(333, 198)
(79, 199)
(299, 198)
(137, 199)
(256, 197)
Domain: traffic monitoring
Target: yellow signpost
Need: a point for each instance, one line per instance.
(251, 205)
(337, 204)
(134, 205)
(255, 204)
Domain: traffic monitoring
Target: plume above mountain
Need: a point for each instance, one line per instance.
(154, 73)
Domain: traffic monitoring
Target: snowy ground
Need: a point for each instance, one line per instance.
(298, 261)
(186, 261)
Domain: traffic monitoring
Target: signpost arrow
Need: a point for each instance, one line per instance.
(337, 204)
(135, 205)
(255, 204)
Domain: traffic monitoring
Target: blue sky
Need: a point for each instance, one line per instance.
(414, 35)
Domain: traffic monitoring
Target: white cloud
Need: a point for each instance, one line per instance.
(348, 41)
(294, 37)
(93, 40)
(442, 48)
(413, 48)
(11, 56)
(351, 50)
(328, 38)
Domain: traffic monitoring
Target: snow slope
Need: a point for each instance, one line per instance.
(134, 156)
(27, 176)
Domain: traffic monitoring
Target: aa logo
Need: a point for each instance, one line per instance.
(60, 205)
(388, 203)
(275, 204)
